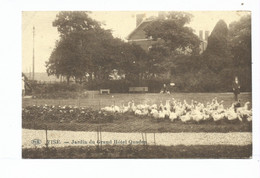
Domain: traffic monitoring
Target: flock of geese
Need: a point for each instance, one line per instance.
(176, 110)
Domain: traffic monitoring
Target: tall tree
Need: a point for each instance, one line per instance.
(217, 41)
(217, 55)
(86, 48)
(240, 47)
(173, 33)
(240, 41)
(79, 45)
(68, 22)
(173, 38)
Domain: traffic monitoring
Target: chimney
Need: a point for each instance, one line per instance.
(139, 18)
(201, 35)
(206, 35)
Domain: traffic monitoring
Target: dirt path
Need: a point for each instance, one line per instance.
(32, 138)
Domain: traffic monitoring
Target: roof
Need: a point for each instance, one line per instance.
(141, 26)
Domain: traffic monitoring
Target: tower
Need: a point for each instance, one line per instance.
(201, 35)
(206, 35)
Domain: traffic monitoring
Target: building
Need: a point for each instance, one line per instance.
(138, 35)
(204, 41)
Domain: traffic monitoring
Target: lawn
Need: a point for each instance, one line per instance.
(145, 124)
(141, 151)
(98, 101)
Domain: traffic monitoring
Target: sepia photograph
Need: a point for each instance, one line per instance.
(130, 89)
(136, 84)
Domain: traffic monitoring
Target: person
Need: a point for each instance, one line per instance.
(164, 88)
(236, 88)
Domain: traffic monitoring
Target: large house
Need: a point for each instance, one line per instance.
(138, 35)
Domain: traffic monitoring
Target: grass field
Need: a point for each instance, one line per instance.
(98, 101)
(146, 124)
(141, 151)
(130, 123)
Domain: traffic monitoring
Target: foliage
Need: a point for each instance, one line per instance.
(216, 55)
(174, 33)
(240, 48)
(56, 90)
(240, 41)
(88, 54)
(68, 22)
(173, 38)
(85, 49)
(65, 114)
(214, 70)
(217, 41)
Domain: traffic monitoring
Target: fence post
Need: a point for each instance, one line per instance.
(145, 138)
(100, 132)
(154, 138)
(46, 133)
(142, 137)
(97, 138)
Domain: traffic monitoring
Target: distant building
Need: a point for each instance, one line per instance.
(42, 77)
(138, 36)
(204, 41)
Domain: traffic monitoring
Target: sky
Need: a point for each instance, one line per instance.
(121, 24)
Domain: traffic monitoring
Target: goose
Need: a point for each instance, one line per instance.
(133, 107)
(155, 113)
(154, 106)
(245, 108)
(161, 115)
(185, 118)
(161, 106)
(249, 119)
(166, 112)
(197, 116)
(167, 105)
(231, 114)
(173, 116)
(244, 112)
(138, 112)
(124, 109)
(217, 117)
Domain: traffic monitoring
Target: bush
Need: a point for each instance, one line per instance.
(115, 86)
(122, 86)
(55, 90)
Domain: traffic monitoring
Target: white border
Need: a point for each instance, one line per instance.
(10, 100)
